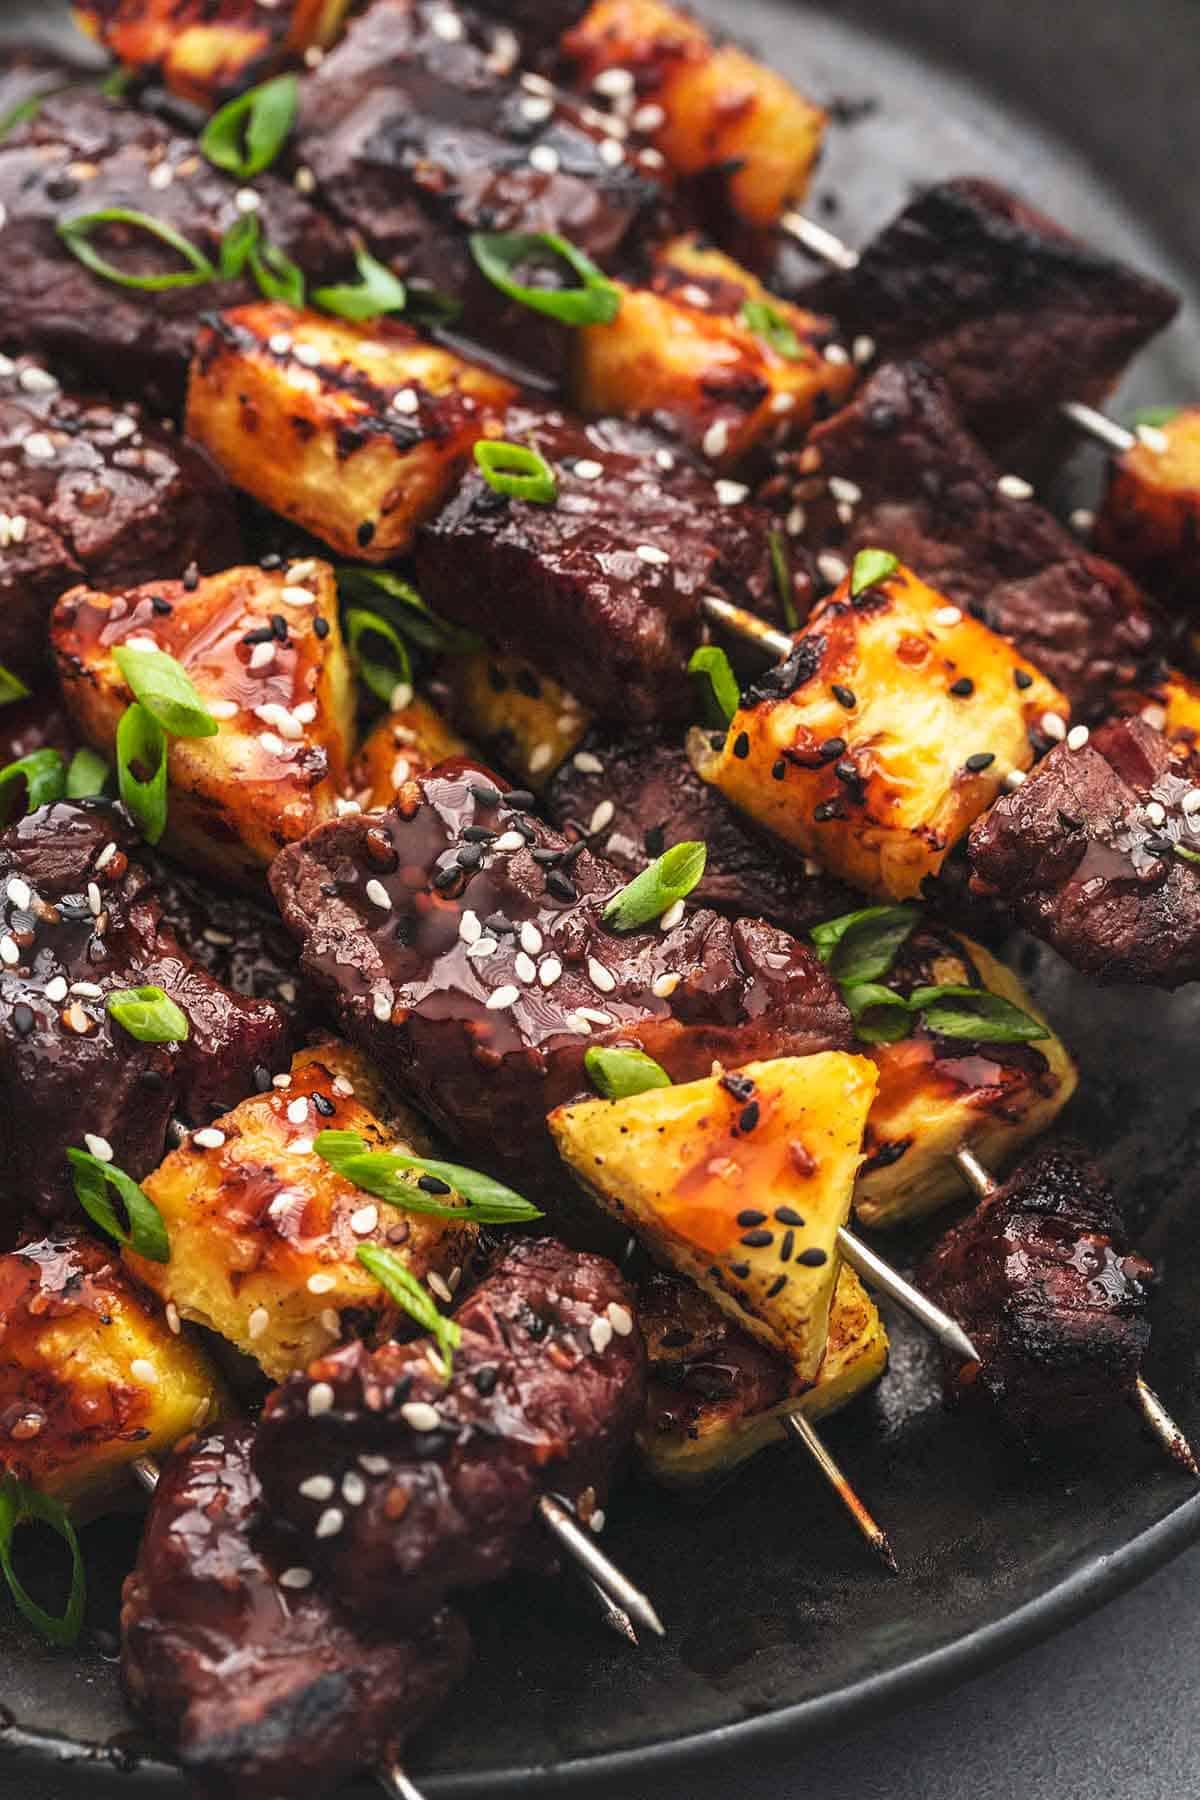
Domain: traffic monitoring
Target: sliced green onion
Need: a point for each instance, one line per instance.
(410, 615)
(237, 244)
(166, 691)
(881, 1016)
(402, 1286)
(377, 291)
(381, 677)
(381, 1172)
(617, 1074)
(768, 323)
(247, 135)
(20, 1505)
(142, 741)
(498, 253)
(117, 84)
(146, 1234)
(974, 1013)
(44, 777)
(516, 470)
(717, 681)
(782, 570)
(862, 946)
(87, 774)
(25, 110)
(1158, 416)
(669, 878)
(148, 1014)
(1192, 856)
(278, 277)
(11, 687)
(76, 233)
(870, 568)
(431, 308)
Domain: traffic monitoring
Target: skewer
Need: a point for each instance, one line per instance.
(983, 1184)
(800, 1428)
(889, 1281)
(747, 626)
(581, 1545)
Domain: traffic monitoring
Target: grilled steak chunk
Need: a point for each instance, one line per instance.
(930, 494)
(461, 945)
(1093, 854)
(1042, 1277)
(547, 1387)
(1015, 314)
(94, 493)
(697, 1356)
(77, 909)
(257, 1681)
(605, 583)
(82, 153)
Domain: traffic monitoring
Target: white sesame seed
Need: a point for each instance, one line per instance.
(614, 84)
(587, 470)
(672, 916)
(536, 108)
(278, 716)
(106, 856)
(374, 1465)
(1077, 737)
(401, 770)
(301, 1146)
(665, 986)
(540, 757)
(716, 439)
(550, 971)
(1014, 487)
(20, 892)
(1052, 726)
(343, 808)
(343, 1086)
(484, 946)
(796, 521)
(832, 568)
(1153, 439)
(281, 1081)
(602, 815)
(730, 493)
(841, 489)
(247, 201)
(619, 1317)
(509, 840)
(171, 1314)
(279, 344)
(648, 118)
(296, 1579)
(601, 1334)
(354, 1488)
(1191, 801)
(447, 25)
(257, 1323)
(98, 1147)
(598, 1520)
(222, 709)
(1083, 520)
(56, 988)
(651, 159)
(837, 354)
(418, 1415)
(262, 655)
(665, 459)
(1156, 812)
(39, 447)
(593, 1016)
(364, 1221)
(611, 152)
(320, 1399)
(863, 349)
(75, 1018)
(18, 524)
(650, 553)
(95, 903)
(577, 1023)
(524, 967)
(208, 1139)
(297, 596)
(587, 763)
(330, 1522)
(600, 977)
(143, 1371)
(319, 1488)
(87, 990)
(378, 895)
(531, 938)
(437, 1285)
(406, 400)
(469, 928)
(297, 1111)
(545, 159)
(144, 640)
(1014, 779)
(501, 997)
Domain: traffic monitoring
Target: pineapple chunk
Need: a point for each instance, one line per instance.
(881, 791)
(699, 1439)
(205, 50)
(357, 432)
(1171, 705)
(721, 111)
(1150, 518)
(526, 723)
(740, 1181)
(705, 375)
(264, 1234)
(935, 1096)
(90, 1376)
(285, 705)
(404, 744)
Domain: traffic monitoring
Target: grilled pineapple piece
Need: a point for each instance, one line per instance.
(404, 744)
(689, 1436)
(205, 50)
(523, 721)
(284, 702)
(740, 1181)
(707, 108)
(720, 385)
(936, 1095)
(1171, 705)
(357, 432)
(90, 1376)
(880, 791)
(264, 1234)
(1150, 518)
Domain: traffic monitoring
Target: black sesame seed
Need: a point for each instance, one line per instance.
(787, 1215)
(828, 809)
(433, 1184)
(262, 1078)
(272, 560)
(778, 771)
(497, 923)
(757, 1240)
(485, 1379)
(520, 800)
(741, 1271)
(654, 840)
(982, 759)
(469, 856)
(191, 578)
(561, 886)
(962, 687)
(844, 696)
(484, 793)
(279, 626)
(777, 1286)
(740, 1086)
(402, 1390)
(831, 749)
(446, 878)
(152, 1079)
(162, 607)
(749, 1117)
(321, 627)
(497, 679)
(324, 1105)
(751, 1217)
(741, 746)
(787, 1244)
(887, 1154)
(547, 859)
(365, 532)
(1023, 678)
(675, 1340)
(262, 635)
(22, 1018)
(812, 1259)
(527, 683)
(478, 834)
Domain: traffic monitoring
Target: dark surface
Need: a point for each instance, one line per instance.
(768, 1596)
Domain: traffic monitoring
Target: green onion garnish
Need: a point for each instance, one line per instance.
(381, 676)
(247, 135)
(377, 291)
(862, 946)
(234, 251)
(974, 1013)
(278, 277)
(768, 323)
(165, 690)
(781, 569)
(516, 470)
(870, 568)
(11, 687)
(1191, 856)
(382, 1172)
(148, 1014)
(43, 775)
(616, 1074)
(141, 741)
(76, 234)
(402, 1286)
(410, 615)
(881, 1016)
(24, 1505)
(146, 1234)
(669, 878)
(498, 253)
(87, 774)
(717, 681)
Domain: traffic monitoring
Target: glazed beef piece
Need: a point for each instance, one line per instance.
(930, 494)
(633, 794)
(1015, 314)
(419, 132)
(38, 723)
(93, 494)
(83, 153)
(232, 1657)
(79, 920)
(604, 586)
(460, 943)
(697, 1355)
(1042, 1277)
(1093, 854)
(546, 1389)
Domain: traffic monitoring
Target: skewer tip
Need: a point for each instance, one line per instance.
(871, 1530)
(1166, 1430)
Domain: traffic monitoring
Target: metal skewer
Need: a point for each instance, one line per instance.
(747, 625)
(983, 1184)
(582, 1546)
(802, 1430)
(889, 1281)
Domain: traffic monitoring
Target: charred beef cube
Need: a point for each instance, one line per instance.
(1150, 518)
(82, 154)
(462, 946)
(632, 794)
(1016, 314)
(241, 1665)
(1042, 1277)
(418, 134)
(38, 723)
(897, 468)
(81, 921)
(206, 50)
(1097, 853)
(545, 1391)
(606, 581)
(93, 493)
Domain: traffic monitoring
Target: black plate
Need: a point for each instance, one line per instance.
(780, 1624)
